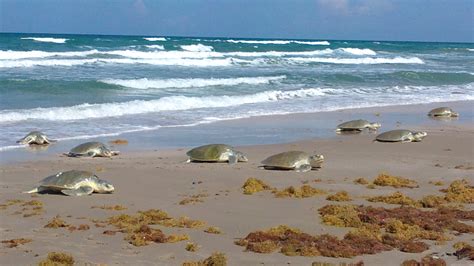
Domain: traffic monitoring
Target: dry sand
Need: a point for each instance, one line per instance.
(161, 179)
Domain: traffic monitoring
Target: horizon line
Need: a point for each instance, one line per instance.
(245, 38)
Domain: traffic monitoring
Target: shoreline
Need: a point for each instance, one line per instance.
(266, 129)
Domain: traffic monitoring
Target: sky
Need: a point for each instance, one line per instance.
(399, 20)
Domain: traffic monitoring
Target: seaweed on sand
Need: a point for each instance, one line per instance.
(139, 232)
(425, 261)
(216, 259)
(400, 228)
(213, 230)
(56, 222)
(11, 243)
(304, 191)
(339, 196)
(293, 242)
(57, 259)
(384, 179)
(396, 198)
(254, 185)
(194, 199)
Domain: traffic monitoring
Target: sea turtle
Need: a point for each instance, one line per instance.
(73, 183)
(299, 161)
(443, 112)
(91, 149)
(216, 153)
(401, 135)
(357, 125)
(36, 137)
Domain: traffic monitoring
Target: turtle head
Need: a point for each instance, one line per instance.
(316, 160)
(104, 187)
(25, 140)
(454, 114)
(241, 157)
(106, 152)
(374, 126)
(418, 136)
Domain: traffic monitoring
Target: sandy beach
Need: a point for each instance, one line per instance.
(156, 178)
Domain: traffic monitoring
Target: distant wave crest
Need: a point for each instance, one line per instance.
(12, 55)
(357, 61)
(190, 51)
(197, 48)
(155, 46)
(358, 51)
(145, 83)
(155, 39)
(279, 42)
(46, 39)
(158, 62)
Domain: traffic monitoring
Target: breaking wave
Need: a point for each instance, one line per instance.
(155, 46)
(197, 48)
(159, 62)
(145, 83)
(12, 55)
(279, 42)
(155, 39)
(190, 51)
(358, 51)
(357, 61)
(171, 103)
(46, 39)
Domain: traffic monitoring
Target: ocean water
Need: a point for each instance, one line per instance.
(89, 86)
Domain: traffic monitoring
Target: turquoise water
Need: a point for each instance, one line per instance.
(87, 86)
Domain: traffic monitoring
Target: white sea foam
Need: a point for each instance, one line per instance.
(357, 61)
(172, 62)
(12, 55)
(312, 43)
(145, 83)
(155, 39)
(52, 62)
(279, 42)
(258, 42)
(159, 62)
(471, 50)
(197, 48)
(191, 51)
(155, 46)
(279, 53)
(162, 54)
(46, 39)
(358, 51)
(171, 103)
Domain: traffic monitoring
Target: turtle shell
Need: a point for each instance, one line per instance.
(86, 147)
(393, 135)
(354, 124)
(210, 152)
(286, 160)
(441, 111)
(68, 180)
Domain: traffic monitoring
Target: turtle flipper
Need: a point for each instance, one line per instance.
(34, 190)
(233, 159)
(39, 189)
(303, 168)
(81, 191)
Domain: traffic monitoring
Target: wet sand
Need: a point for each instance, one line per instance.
(160, 180)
